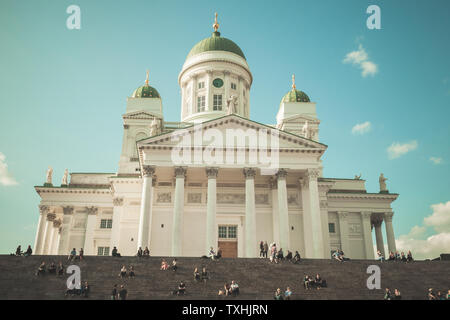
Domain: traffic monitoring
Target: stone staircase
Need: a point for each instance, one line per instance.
(257, 278)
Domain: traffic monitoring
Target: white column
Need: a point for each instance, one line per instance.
(250, 214)
(115, 230)
(325, 231)
(208, 84)
(193, 95)
(178, 208)
(227, 87)
(343, 232)
(56, 237)
(91, 223)
(145, 213)
(367, 234)
(379, 235)
(211, 227)
(283, 210)
(64, 241)
(240, 108)
(43, 210)
(275, 215)
(307, 220)
(314, 206)
(48, 233)
(390, 231)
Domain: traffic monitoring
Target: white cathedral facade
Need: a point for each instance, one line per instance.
(183, 187)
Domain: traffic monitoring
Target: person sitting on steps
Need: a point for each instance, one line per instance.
(140, 253)
(81, 254)
(181, 288)
(174, 265)
(85, 289)
(297, 257)
(280, 255)
(278, 295)
(146, 252)
(234, 288)
(288, 294)
(41, 269)
(123, 272)
(52, 268)
(60, 269)
(403, 257)
(204, 274)
(289, 256)
(164, 265)
(380, 256)
(19, 250)
(29, 252)
(115, 253)
(196, 274)
(391, 256)
(409, 258)
(72, 255)
(131, 273)
(336, 255)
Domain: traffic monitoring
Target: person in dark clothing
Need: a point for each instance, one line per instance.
(115, 253)
(60, 269)
(146, 252)
(266, 249)
(196, 275)
(409, 258)
(204, 274)
(131, 273)
(114, 293)
(296, 257)
(85, 289)
(19, 251)
(261, 249)
(397, 295)
(123, 293)
(387, 294)
(174, 265)
(289, 256)
(29, 252)
(403, 257)
(52, 268)
(181, 288)
(280, 254)
(140, 253)
(81, 254)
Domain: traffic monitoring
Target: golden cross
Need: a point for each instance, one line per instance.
(146, 80)
(215, 25)
(293, 81)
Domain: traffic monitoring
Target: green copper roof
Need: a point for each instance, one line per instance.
(215, 43)
(295, 96)
(145, 91)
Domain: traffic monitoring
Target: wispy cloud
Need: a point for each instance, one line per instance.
(361, 128)
(6, 178)
(360, 58)
(436, 160)
(424, 247)
(396, 149)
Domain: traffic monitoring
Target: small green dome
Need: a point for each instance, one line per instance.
(215, 43)
(295, 96)
(145, 91)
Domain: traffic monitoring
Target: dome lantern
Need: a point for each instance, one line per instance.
(145, 91)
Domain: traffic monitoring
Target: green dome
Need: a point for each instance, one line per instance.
(145, 91)
(295, 96)
(215, 43)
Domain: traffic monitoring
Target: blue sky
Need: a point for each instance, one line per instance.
(62, 92)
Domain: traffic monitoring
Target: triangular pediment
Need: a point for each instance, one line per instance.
(218, 132)
(144, 115)
(301, 117)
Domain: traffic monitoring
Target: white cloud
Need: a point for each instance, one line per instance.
(436, 160)
(396, 149)
(361, 128)
(360, 58)
(429, 247)
(6, 178)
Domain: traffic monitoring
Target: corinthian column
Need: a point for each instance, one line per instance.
(390, 231)
(56, 236)
(146, 205)
(43, 210)
(48, 234)
(367, 234)
(178, 207)
(211, 240)
(91, 222)
(314, 208)
(379, 234)
(283, 209)
(250, 214)
(343, 232)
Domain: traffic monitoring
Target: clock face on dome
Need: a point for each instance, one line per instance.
(218, 83)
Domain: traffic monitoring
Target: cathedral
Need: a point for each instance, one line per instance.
(216, 178)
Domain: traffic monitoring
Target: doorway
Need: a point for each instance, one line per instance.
(228, 241)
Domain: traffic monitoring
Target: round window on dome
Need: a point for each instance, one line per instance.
(218, 83)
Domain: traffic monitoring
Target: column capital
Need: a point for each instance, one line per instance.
(91, 210)
(281, 174)
(57, 223)
(43, 209)
(51, 217)
(366, 214)
(118, 201)
(68, 209)
(377, 221)
(342, 214)
(212, 172)
(303, 182)
(126, 126)
(147, 170)
(388, 216)
(312, 174)
(249, 173)
(180, 172)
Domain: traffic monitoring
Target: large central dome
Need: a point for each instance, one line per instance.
(216, 43)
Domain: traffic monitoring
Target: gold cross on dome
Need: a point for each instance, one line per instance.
(293, 81)
(215, 25)
(146, 79)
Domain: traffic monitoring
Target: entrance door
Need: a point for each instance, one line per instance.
(228, 240)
